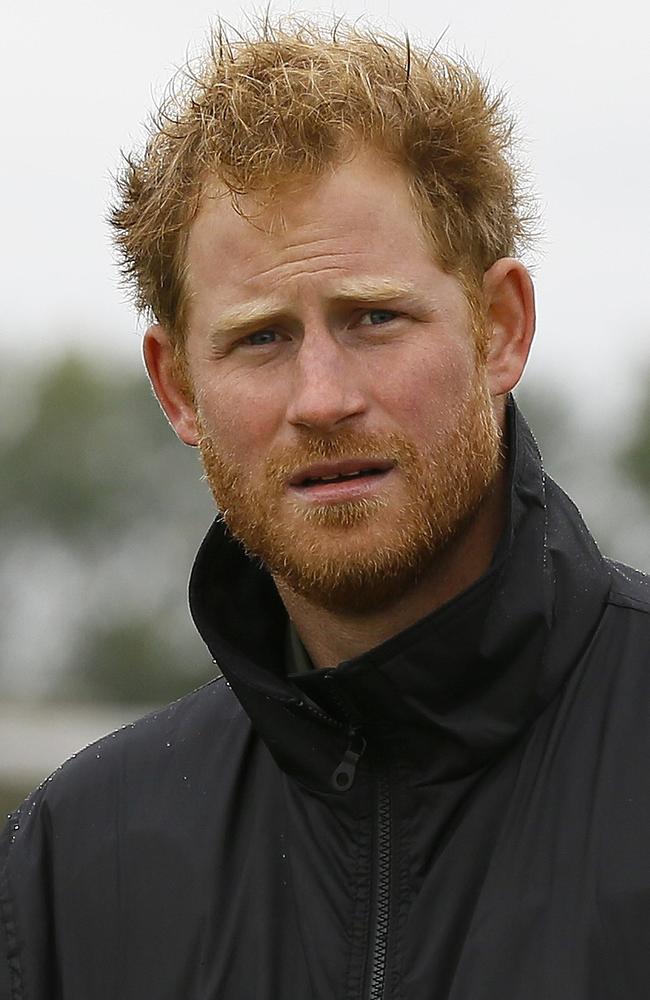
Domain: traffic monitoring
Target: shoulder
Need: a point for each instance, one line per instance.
(149, 799)
(620, 648)
(171, 747)
(630, 588)
(185, 728)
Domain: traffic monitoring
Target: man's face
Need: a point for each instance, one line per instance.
(347, 431)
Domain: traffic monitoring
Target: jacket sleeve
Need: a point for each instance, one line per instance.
(5, 981)
(27, 967)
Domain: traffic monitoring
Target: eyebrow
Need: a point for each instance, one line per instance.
(261, 313)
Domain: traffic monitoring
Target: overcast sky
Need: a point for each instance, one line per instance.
(80, 77)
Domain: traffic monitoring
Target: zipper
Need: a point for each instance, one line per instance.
(345, 773)
(314, 710)
(341, 780)
(343, 776)
(382, 889)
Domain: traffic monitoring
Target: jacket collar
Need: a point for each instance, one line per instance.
(453, 690)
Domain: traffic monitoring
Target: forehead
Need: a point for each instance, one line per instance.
(363, 183)
(357, 218)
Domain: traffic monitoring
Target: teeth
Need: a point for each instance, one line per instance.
(339, 475)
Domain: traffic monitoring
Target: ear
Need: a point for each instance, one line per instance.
(169, 383)
(510, 307)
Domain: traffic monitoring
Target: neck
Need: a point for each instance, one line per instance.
(331, 637)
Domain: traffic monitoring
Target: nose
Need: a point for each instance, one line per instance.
(327, 386)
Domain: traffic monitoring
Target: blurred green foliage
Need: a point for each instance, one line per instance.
(94, 454)
(101, 500)
(635, 455)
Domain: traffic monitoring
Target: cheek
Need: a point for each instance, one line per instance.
(430, 386)
(239, 424)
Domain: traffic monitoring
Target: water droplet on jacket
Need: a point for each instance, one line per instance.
(168, 744)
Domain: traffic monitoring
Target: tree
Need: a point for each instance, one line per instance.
(101, 513)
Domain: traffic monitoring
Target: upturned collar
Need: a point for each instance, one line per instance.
(450, 692)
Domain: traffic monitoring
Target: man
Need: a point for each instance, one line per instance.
(423, 774)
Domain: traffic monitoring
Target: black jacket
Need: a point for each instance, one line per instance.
(463, 813)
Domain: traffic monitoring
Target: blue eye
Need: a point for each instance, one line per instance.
(260, 338)
(376, 317)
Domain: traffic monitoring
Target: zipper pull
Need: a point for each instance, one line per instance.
(345, 773)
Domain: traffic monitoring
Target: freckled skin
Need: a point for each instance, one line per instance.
(327, 365)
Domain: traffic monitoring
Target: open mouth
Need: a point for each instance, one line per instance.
(346, 475)
(340, 477)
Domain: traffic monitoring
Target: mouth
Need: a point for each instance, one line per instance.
(340, 480)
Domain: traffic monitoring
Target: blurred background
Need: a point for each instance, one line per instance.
(101, 509)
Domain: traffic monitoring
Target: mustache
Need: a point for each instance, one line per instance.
(283, 463)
